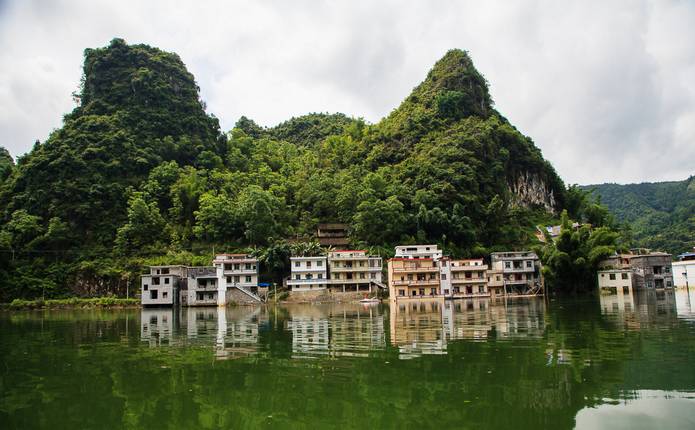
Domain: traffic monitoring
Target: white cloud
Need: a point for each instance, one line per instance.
(605, 89)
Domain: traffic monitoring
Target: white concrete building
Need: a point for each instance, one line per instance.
(239, 270)
(308, 273)
(161, 286)
(684, 271)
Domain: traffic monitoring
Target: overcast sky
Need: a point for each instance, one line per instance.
(605, 89)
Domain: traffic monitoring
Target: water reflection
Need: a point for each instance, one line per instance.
(233, 331)
(414, 328)
(336, 330)
(637, 309)
(424, 327)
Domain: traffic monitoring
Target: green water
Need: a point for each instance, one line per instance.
(613, 362)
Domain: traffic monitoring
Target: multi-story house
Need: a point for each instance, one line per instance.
(205, 287)
(413, 278)
(354, 270)
(161, 286)
(639, 269)
(308, 273)
(521, 272)
(468, 278)
(684, 270)
(239, 271)
(495, 283)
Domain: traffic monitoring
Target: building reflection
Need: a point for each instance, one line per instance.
(640, 308)
(424, 327)
(335, 329)
(233, 330)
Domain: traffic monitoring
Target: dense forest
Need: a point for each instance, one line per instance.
(661, 215)
(139, 173)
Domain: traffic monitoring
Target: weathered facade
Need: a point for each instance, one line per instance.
(643, 269)
(521, 272)
(162, 285)
(468, 278)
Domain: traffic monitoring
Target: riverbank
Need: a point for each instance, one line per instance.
(73, 302)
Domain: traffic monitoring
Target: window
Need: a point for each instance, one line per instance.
(319, 263)
(667, 269)
(309, 276)
(507, 265)
(372, 275)
(296, 264)
(155, 281)
(624, 276)
(421, 291)
(248, 279)
(297, 276)
(237, 266)
(308, 264)
(626, 290)
(668, 283)
(320, 275)
(446, 291)
(443, 276)
(414, 293)
(529, 264)
(362, 275)
(144, 287)
(164, 295)
(401, 292)
(248, 266)
(153, 294)
(229, 279)
(433, 291)
(612, 276)
(481, 289)
(236, 278)
(361, 263)
(166, 280)
(227, 266)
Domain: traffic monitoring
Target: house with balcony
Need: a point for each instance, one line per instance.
(521, 272)
(308, 273)
(161, 286)
(468, 278)
(205, 287)
(413, 278)
(354, 271)
(240, 272)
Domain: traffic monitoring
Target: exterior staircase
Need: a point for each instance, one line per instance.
(379, 284)
(249, 293)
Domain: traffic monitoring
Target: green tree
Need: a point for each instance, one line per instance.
(145, 228)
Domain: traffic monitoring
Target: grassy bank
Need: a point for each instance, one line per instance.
(73, 302)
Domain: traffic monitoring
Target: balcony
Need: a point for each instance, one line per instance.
(468, 280)
(240, 271)
(316, 269)
(307, 281)
(521, 269)
(416, 283)
(470, 268)
(414, 269)
(348, 257)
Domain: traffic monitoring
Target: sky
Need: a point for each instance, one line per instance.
(606, 89)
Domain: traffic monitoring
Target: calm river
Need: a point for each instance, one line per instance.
(611, 362)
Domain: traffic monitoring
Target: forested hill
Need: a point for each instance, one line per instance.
(140, 171)
(661, 215)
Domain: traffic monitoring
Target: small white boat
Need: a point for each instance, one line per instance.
(368, 300)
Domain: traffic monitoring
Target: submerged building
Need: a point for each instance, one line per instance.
(638, 269)
(521, 272)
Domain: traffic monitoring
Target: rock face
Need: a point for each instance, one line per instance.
(531, 190)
